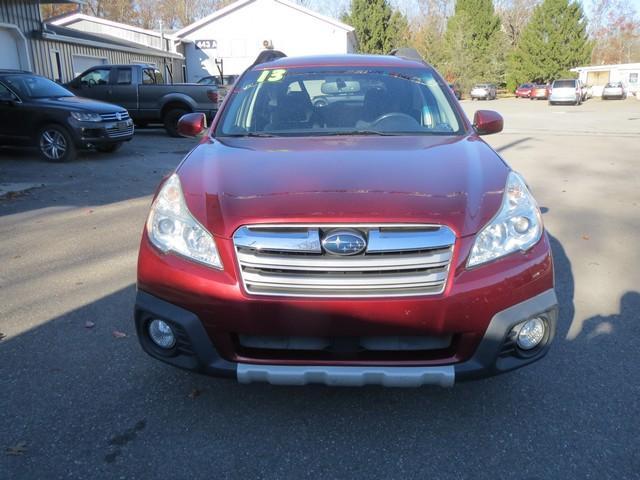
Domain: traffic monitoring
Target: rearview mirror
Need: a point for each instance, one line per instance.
(192, 125)
(487, 122)
(340, 86)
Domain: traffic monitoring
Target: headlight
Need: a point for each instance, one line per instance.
(172, 228)
(86, 117)
(517, 226)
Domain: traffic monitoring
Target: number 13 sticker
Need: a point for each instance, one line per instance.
(272, 75)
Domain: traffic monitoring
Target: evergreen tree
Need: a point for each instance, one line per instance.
(379, 28)
(474, 44)
(554, 41)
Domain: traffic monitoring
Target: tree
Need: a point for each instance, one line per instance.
(379, 28)
(427, 30)
(554, 41)
(515, 15)
(473, 44)
(615, 29)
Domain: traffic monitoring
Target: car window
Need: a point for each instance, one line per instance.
(4, 91)
(564, 84)
(207, 81)
(96, 77)
(124, 76)
(330, 101)
(33, 86)
(151, 76)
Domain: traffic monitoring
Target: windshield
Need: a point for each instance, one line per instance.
(331, 101)
(32, 86)
(564, 84)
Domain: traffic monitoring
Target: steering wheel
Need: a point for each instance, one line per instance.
(396, 120)
(92, 82)
(320, 102)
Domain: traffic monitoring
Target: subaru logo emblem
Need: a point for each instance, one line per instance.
(344, 243)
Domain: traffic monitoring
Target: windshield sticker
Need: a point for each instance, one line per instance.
(272, 75)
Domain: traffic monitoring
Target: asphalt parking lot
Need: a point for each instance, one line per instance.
(79, 398)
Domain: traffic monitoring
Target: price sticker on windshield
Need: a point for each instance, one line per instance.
(275, 75)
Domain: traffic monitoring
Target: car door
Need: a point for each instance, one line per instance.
(123, 91)
(94, 84)
(148, 93)
(14, 118)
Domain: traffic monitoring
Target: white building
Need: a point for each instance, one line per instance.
(237, 33)
(599, 75)
(101, 26)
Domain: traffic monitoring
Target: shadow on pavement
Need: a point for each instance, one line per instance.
(86, 402)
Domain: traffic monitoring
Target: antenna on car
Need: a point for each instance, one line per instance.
(407, 53)
(267, 56)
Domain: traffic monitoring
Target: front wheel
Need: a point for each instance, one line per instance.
(109, 147)
(55, 144)
(170, 120)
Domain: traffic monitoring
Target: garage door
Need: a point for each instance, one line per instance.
(82, 63)
(10, 58)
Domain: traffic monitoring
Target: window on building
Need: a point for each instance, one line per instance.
(124, 76)
(633, 78)
(99, 76)
(56, 65)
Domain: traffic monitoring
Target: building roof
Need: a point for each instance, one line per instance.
(56, 32)
(69, 19)
(347, 60)
(593, 68)
(242, 3)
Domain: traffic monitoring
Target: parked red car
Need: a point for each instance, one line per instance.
(524, 90)
(376, 239)
(540, 92)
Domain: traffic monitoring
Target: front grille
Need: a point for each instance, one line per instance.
(120, 131)
(399, 260)
(392, 348)
(115, 117)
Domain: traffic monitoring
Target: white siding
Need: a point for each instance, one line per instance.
(240, 35)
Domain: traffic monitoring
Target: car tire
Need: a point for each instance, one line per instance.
(171, 118)
(55, 144)
(109, 147)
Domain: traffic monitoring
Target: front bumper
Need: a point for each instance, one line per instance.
(495, 353)
(563, 98)
(87, 134)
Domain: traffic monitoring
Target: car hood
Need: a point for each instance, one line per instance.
(455, 181)
(80, 104)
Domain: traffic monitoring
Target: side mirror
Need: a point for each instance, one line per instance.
(192, 125)
(487, 122)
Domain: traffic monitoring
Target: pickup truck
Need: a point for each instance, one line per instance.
(142, 91)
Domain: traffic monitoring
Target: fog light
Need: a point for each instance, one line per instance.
(161, 334)
(531, 333)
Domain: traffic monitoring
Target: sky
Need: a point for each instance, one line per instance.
(334, 8)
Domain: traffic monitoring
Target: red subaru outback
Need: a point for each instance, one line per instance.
(342, 222)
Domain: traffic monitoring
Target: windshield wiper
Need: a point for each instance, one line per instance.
(365, 132)
(249, 134)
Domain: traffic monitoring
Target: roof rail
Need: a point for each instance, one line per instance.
(267, 56)
(407, 53)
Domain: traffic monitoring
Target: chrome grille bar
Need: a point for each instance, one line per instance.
(400, 260)
(113, 117)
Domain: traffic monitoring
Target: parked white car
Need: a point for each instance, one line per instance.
(566, 91)
(484, 91)
(614, 90)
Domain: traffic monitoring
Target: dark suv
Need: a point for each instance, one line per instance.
(35, 110)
